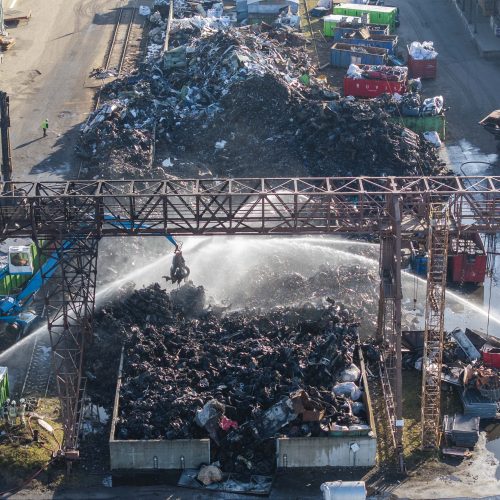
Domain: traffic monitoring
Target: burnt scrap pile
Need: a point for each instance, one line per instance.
(354, 285)
(239, 102)
(241, 379)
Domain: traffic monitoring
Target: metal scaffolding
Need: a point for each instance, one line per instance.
(244, 206)
(389, 323)
(437, 244)
(70, 303)
(74, 215)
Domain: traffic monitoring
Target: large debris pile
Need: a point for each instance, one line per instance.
(353, 285)
(242, 378)
(234, 101)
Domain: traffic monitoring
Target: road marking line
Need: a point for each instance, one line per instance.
(13, 4)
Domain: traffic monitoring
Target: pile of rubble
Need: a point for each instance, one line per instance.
(471, 364)
(349, 284)
(241, 378)
(242, 101)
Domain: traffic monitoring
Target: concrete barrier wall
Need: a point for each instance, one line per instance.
(140, 454)
(326, 451)
(291, 452)
(332, 451)
(136, 454)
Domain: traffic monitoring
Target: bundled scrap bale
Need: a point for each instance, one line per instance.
(242, 102)
(242, 379)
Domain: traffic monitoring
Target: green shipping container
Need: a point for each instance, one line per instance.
(378, 14)
(4, 385)
(421, 124)
(330, 22)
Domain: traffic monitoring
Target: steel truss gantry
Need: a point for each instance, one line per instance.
(74, 215)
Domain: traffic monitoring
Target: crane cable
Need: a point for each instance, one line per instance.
(492, 242)
(415, 291)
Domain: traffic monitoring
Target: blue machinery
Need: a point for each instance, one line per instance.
(14, 306)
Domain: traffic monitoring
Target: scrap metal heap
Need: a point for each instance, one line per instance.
(237, 101)
(353, 285)
(240, 378)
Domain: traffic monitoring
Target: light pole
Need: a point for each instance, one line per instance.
(476, 16)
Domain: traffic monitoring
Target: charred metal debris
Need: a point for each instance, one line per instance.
(232, 101)
(240, 378)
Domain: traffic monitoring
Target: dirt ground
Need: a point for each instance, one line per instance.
(46, 76)
(474, 478)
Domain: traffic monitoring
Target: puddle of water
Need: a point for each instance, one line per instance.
(466, 159)
(494, 447)
(94, 417)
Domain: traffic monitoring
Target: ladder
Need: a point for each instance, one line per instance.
(437, 246)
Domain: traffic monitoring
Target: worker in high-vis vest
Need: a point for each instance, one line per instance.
(45, 126)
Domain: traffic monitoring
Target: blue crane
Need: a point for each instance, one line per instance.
(15, 300)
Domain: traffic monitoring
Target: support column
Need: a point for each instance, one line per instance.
(389, 324)
(5, 139)
(437, 247)
(398, 297)
(70, 300)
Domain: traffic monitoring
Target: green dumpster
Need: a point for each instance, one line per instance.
(378, 14)
(330, 22)
(421, 124)
(4, 385)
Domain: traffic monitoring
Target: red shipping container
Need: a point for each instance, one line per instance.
(491, 357)
(466, 268)
(361, 87)
(422, 68)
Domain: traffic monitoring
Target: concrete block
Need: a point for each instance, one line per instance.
(137, 454)
(327, 451)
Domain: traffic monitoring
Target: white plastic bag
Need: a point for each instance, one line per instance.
(347, 389)
(350, 374)
(424, 50)
(209, 474)
(354, 71)
(433, 138)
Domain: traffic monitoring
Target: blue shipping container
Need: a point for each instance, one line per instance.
(343, 55)
(389, 44)
(374, 29)
(419, 264)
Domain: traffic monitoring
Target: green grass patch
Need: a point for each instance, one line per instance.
(412, 387)
(20, 456)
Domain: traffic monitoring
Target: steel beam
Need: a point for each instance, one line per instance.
(244, 206)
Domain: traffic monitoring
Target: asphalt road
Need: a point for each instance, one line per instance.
(45, 76)
(469, 84)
